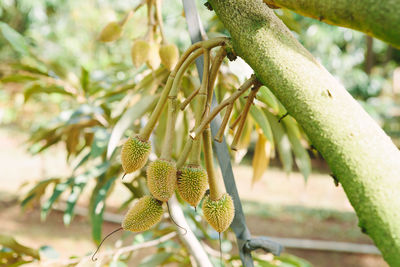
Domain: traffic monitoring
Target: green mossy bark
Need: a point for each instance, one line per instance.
(359, 153)
(380, 19)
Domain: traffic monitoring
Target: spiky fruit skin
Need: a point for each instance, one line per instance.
(111, 32)
(134, 154)
(219, 214)
(192, 184)
(169, 55)
(153, 61)
(161, 179)
(145, 213)
(140, 52)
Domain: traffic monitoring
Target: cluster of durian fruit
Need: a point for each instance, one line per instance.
(186, 175)
(163, 179)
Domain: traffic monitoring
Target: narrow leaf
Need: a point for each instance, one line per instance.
(58, 190)
(262, 121)
(268, 98)
(261, 157)
(301, 155)
(11, 243)
(16, 40)
(96, 213)
(282, 142)
(127, 119)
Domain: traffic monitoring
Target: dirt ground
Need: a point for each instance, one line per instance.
(276, 194)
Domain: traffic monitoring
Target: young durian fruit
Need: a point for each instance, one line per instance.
(111, 32)
(134, 154)
(192, 183)
(219, 213)
(145, 213)
(161, 179)
(140, 52)
(153, 61)
(169, 55)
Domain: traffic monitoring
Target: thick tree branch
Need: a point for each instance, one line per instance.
(360, 154)
(380, 19)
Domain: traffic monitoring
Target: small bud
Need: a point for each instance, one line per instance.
(140, 52)
(169, 55)
(111, 32)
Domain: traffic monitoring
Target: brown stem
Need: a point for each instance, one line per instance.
(245, 111)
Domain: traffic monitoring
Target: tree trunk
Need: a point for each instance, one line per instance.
(380, 19)
(360, 154)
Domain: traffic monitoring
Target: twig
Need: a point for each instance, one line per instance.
(245, 111)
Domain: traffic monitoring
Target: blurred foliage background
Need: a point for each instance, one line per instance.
(62, 85)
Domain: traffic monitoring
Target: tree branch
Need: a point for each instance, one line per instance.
(359, 153)
(379, 19)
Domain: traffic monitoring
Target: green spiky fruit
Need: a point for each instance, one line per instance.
(140, 52)
(161, 179)
(219, 214)
(192, 184)
(145, 213)
(169, 55)
(111, 32)
(153, 61)
(134, 154)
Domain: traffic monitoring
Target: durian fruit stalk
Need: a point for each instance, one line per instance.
(145, 213)
(192, 179)
(218, 208)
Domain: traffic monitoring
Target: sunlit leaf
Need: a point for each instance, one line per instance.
(302, 158)
(295, 261)
(267, 97)
(262, 121)
(132, 114)
(72, 199)
(17, 78)
(37, 191)
(100, 142)
(96, 213)
(11, 243)
(261, 157)
(37, 88)
(84, 79)
(282, 142)
(16, 40)
(58, 190)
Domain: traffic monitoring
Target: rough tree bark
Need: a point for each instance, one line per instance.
(380, 19)
(359, 153)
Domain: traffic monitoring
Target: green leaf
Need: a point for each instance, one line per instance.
(155, 259)
(262, 121)
(268, 98)
(38, 190)
(293, 260)
(16, 40)
(282, 142)
(131, 114)
(100, 141)
(301, 155)
(96, 213)
(58, 190)
(18, 78)
(36, 88)
(85, 79)
(11, 243)
(72, 199)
